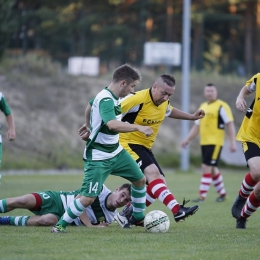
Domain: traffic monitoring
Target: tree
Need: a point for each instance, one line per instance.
(8, 25)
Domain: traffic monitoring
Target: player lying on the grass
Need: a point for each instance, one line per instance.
(49, 206)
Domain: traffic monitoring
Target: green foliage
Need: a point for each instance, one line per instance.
(8, 24)
(116, 30)
(209, 234)
(31, 64)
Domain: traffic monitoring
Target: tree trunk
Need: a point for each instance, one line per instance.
(249, 37)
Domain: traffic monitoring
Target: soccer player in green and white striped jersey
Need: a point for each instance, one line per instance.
(104, 155)
(4, 107)
(49, 206)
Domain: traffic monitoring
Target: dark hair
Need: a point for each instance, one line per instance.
(127, 73)
(168, 79)
(210, 85)
(126, 186)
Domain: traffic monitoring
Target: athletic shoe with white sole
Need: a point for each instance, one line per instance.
(185, 212)
(122, 218)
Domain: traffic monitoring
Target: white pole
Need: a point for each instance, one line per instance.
(185, 100)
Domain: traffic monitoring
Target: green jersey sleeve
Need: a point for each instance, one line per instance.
(4, 107)
(107, 110)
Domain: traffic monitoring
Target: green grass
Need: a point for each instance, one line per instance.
(209, 234)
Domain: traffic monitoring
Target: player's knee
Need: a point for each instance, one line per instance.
(255, 173)
(140, 182)
(86, 201)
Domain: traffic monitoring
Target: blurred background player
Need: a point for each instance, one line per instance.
(212, 136)
(248, 199)
(149, 107)
(49, 206)
(4, 107)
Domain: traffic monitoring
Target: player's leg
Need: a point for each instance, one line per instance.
(160, 191)
(27, 201)
(46, 205)
(44, 220)
(205, 182)
(156, 187)
(1, 151)
(126, 167)
(207, 152)
(95, 173)
(251, 151)
(217, 178)
(251, 205)
(23, 202)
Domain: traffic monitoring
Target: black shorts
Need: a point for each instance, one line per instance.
(250, 150)
(211, 154)
(144, 157)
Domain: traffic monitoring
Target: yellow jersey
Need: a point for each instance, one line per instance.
(140, 109)
(212, 126)
(250, 128)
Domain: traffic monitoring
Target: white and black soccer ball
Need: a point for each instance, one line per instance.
(156, 221)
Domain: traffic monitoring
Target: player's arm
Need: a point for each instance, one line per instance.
(84, 130)
(178, 114)
(192, 134)
(9, 118)
(240, 102)
(108, 116)
(122, 127)
(11, 131)
(85, 220)
(231, 134)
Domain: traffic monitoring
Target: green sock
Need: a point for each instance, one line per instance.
(3, 206)
(138, 196)
(19, 220)
(75, 210)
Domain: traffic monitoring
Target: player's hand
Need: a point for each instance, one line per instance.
(147, 130)
(241, 104)
(11, 134)
(84, 132)
(101, 225)
(198, 114)
(232, 147)
(184, 144)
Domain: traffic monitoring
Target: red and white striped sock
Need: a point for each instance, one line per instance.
(205, 182)
(251, 206)
(219, 184)
(161, 192)
(149, 196)
(247, 186)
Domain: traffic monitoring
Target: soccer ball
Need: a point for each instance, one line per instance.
(156, 221)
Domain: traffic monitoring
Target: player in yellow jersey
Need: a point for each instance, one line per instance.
(212, 136)
(248, 199)
(149, 107)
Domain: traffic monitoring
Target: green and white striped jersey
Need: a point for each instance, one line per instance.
(4, 106)
(97, 211)
(103, 143)
(5, 109)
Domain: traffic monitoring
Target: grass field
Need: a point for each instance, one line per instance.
(209, 234)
